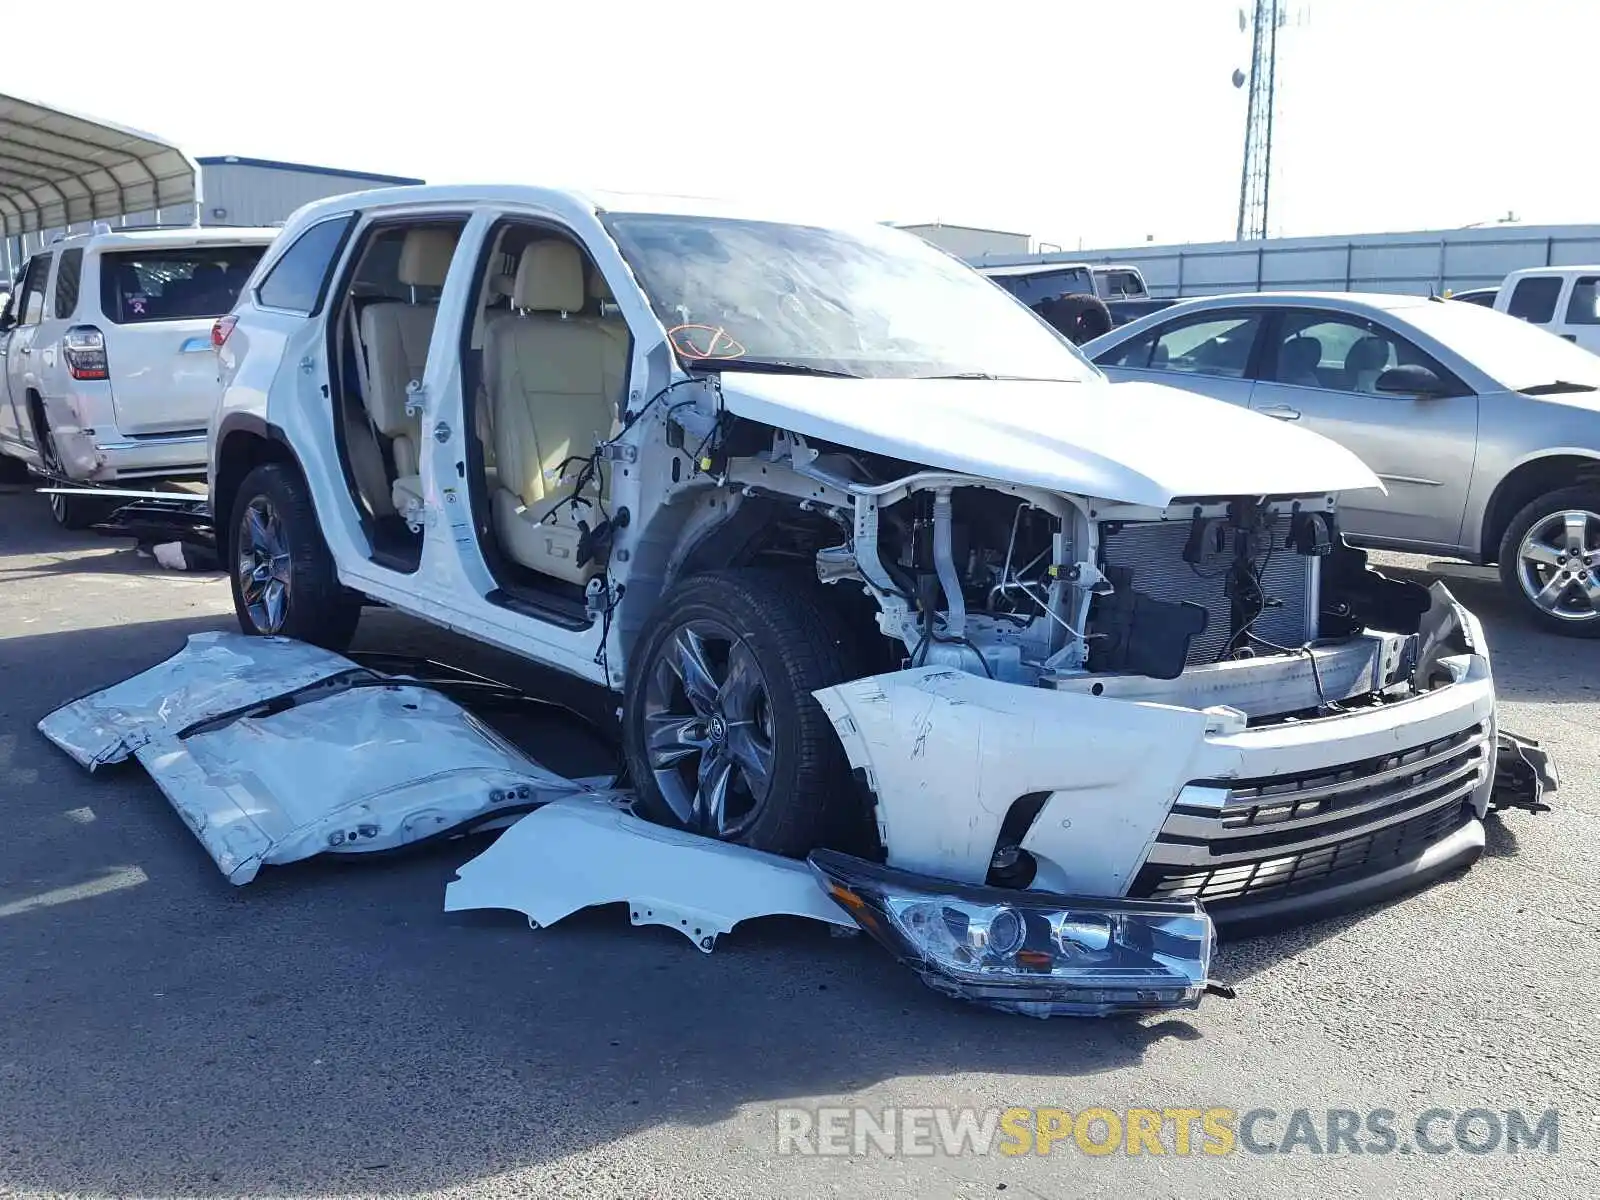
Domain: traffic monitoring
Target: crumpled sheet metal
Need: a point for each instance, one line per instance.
(350, 771)
(584, 851)
(213, 674)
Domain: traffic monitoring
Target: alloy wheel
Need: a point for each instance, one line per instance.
(264, 566)
(1557, 564)
(708, 728)
(52, 469)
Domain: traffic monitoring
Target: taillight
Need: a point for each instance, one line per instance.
(84, 348)
(221, 330)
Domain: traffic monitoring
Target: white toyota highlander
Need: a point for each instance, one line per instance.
(881, 569)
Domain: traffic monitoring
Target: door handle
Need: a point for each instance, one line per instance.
(24, 349)
(1281, 411)
(1571, 337)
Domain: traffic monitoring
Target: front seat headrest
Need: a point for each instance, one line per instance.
(549, 278)
(425, 257)
(1368, 354)
(1302, 355)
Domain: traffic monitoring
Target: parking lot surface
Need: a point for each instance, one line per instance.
(328, 1030)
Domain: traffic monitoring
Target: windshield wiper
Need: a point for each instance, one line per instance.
(1557, 387)
(769, 366)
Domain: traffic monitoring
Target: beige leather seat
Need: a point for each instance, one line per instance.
(395, 335)
(553, 379)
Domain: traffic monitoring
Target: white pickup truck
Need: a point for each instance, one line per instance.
(109, 368)
(1564, 300)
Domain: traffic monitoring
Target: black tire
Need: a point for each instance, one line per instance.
(1576, 614)
(809, 799)
(312, 605)
(69, 512)
(1081, 317)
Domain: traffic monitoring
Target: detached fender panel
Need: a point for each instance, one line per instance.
(947, 753)
(591, 850)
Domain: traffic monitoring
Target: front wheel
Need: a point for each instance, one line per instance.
(283, 576)
(721, 732)
(1550, 561)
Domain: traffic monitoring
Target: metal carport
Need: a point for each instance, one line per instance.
(58, 168)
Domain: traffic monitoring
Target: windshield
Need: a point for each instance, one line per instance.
(870, 302)
(1510, 351)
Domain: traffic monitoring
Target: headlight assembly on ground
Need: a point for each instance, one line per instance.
(1029, 952)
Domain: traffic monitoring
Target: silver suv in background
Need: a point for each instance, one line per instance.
(109, 368)
(1484, 430)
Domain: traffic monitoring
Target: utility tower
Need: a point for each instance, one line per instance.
(1255, 180)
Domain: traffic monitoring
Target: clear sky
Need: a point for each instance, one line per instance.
(1100, 122)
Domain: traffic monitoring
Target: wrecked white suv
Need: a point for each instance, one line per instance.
(877, 562)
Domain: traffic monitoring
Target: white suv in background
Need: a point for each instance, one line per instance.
(109, 367)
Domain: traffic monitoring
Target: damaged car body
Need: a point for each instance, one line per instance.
(883, 571)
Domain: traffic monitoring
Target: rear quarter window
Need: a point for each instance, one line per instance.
(297, 281)
(175, 284)
(67, 277)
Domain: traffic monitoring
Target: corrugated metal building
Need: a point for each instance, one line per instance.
(969, 241)
(234, 191)
(1414, 263)
(257, 191)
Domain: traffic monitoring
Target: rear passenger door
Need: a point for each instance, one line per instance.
(1319, 369)
(1210, 353)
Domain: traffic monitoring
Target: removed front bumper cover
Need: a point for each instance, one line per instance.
(1033, 953)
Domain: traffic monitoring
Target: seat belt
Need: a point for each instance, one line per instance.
(363, 379)
(391, 470)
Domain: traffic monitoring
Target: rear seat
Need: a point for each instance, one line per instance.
(553, 379)
(395, 335)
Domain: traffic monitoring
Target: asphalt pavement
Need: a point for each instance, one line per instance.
(328, 1030)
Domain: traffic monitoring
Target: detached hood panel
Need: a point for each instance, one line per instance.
(1136, 443)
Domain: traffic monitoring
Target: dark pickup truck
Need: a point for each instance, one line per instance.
(1080, 300)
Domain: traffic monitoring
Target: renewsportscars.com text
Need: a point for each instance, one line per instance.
(1178, 1131)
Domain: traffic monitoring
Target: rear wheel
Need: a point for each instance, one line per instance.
(721, 731)
(283, 576)
(1550, 561)
(70, 512)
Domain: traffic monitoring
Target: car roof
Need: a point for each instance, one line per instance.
(165, 236)
(1337, 301)
(1348, 302)
(594, 200)
(1016, 269)
(1563, 269)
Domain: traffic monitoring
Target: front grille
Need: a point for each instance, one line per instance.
(1254, 839)
(1313, 870)
(1153, 552)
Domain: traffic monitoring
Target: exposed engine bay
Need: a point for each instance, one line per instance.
(1252, 602)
